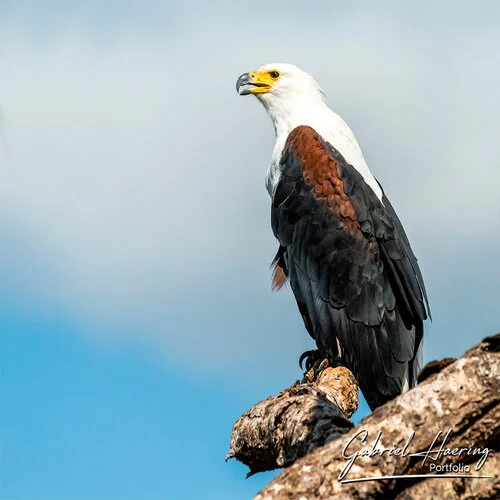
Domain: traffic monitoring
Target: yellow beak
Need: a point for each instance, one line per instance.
(256, 82)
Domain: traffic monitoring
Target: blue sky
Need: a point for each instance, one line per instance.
(134, 265)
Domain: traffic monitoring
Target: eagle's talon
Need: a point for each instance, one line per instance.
(322, 366)
(311, 358)
(315, 364)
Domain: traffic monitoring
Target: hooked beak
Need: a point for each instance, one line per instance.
(248, 83)
(244, 84)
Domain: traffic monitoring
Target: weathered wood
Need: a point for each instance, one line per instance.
(462, 396)
(278, 431)
(462, 488)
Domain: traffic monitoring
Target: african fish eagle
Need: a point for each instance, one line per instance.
(341, 245)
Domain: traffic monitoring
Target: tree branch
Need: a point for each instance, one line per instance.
(278, 431)
(305, 431)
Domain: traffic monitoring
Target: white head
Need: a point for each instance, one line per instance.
(292, 98)
(286, 92)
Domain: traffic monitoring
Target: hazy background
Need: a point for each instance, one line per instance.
(137, 321)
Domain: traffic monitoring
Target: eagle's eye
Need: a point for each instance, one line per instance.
(274, 74)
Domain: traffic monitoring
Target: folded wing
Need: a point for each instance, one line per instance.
(350, 266)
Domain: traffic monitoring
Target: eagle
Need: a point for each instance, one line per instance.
(342, 248)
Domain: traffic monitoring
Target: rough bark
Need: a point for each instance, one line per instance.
(461, 396)
(278, 431)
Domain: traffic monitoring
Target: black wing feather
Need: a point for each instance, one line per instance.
(367, 293)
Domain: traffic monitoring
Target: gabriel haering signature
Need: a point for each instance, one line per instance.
(436, 452)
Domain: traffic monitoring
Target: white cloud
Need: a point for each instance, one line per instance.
(136, 171)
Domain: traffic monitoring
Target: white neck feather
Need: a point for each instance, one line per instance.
(291, 111)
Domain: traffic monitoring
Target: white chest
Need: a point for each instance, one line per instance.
(274, 171)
